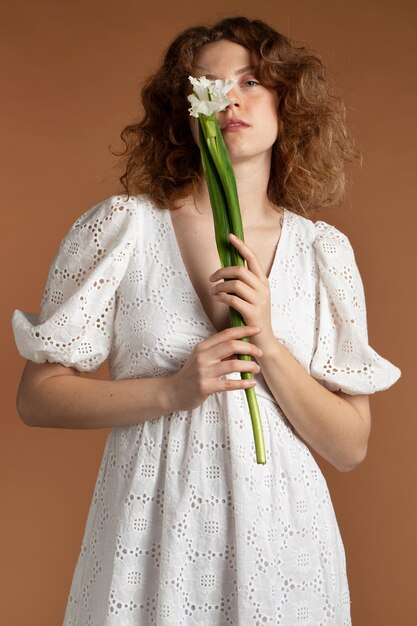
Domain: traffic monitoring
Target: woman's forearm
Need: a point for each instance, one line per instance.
(68, 401)
(324, 420)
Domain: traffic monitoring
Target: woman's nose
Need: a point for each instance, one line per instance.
(233, 95)
(233, 105)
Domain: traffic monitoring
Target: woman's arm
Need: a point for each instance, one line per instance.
(54, 396)
(334, 424)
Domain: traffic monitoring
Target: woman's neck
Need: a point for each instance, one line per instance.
(252, 178)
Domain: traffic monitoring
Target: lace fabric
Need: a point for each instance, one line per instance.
(343, 358)
(184, 527)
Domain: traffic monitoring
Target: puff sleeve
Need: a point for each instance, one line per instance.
(75, 323)
(343, 359)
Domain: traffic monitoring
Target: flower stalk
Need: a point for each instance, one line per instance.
(208, 97)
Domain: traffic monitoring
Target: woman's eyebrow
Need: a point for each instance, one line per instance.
(242, 70)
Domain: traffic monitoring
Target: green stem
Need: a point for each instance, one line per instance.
(224, 201)
(258, 434)
(217, 201)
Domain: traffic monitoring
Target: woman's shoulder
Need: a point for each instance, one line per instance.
(116, 214)
(315, 232)
(108, 226)
(106, 232)
(113, 209)
(300, 229)
(331, 245)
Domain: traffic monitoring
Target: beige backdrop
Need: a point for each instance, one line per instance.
(70, 84)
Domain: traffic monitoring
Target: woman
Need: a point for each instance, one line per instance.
(184, 526)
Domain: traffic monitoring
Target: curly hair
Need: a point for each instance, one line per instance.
(308, 158)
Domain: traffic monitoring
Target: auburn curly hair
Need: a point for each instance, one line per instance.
(308, 159)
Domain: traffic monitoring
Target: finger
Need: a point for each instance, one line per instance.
(234, 332)
(243, 307)
(229, 367)
(239, 272)
(235, 346)
(232, 384)
(248, 254)
(237, 287)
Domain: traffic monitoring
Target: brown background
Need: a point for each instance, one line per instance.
(69, 86)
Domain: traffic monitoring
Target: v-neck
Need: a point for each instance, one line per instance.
(176, 247)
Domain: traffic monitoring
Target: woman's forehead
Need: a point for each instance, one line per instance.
(218, 58)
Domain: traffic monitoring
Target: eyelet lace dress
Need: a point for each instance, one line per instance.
(184, 527)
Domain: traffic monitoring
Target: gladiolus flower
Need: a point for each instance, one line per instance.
(209, 97)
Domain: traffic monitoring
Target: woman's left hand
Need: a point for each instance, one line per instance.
(248, 290)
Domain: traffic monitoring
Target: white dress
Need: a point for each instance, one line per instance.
(185, 528)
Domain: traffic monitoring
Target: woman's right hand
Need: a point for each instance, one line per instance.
(211, 358)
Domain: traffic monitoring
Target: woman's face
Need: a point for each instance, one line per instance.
(254, 104)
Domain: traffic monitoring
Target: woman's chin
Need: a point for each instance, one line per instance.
(240, 156)
(236, 151)
(246, 154)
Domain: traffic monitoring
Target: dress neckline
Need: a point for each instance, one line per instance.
(176, 247)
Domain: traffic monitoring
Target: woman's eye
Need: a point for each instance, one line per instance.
(254, 82)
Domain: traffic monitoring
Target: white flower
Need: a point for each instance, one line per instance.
(203, 106)
(209, 95)
(201, 86)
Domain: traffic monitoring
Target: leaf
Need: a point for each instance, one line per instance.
(217, 201)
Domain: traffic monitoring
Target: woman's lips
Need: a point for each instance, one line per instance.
(234, 125)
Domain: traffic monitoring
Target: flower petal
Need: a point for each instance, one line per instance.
(209, 95)
(219, 88)
(201, 87)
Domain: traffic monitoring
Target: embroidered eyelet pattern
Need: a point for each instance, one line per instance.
(184, 527)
